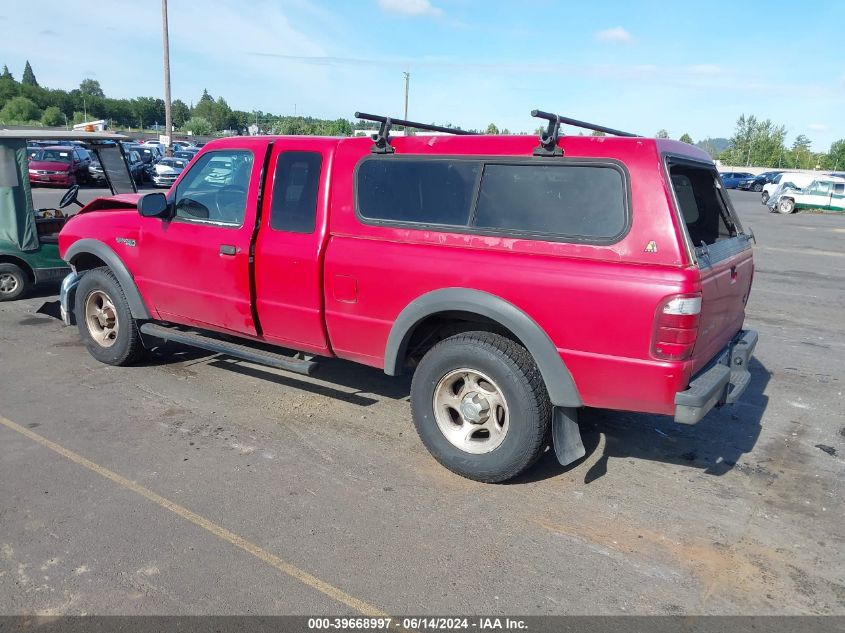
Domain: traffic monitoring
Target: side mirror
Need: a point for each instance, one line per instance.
(154, 205)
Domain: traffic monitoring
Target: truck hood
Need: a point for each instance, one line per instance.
(120, 201)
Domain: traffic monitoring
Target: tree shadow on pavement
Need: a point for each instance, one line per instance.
(714, 445)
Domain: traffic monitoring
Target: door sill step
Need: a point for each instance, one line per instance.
(304, 366)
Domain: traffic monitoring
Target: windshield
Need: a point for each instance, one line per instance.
(55, 156)
(172, 162)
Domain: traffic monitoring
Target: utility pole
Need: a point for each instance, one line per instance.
(407, 82)
(168, 117)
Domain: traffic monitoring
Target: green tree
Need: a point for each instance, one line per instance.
(221, 115)
(20, 109)
(205, 107)
(597, 133)
(758, 143)
(6, 74)
(835, 158)
(9, 88)
(802, 158)
(147, 110)
(198, 126)
(686, 138)
(180, 112)
(662, 133)
(492, 129)
(28, 78)
(338, 127)
(52, 117)
(91, 88)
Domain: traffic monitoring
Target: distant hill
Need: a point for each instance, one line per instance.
(714, 146)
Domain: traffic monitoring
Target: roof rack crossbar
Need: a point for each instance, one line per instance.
(582, 124)
(381, 139)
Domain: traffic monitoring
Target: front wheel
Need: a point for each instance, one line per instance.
(480, 406)
(765, 197)
(105, 322)
(758, 187)
(13, 282)
(786, 205)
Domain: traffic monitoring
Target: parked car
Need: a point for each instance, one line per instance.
(825, 192)
(517, 282)
(149, 156)
(167, 170)
(756, 183)
(185, 155)
(181, 145)
(794, 179)
(96, 174)
(29, 249)
(731, 179)
(137, 167)
(61, 165)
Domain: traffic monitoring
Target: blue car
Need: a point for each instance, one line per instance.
(731, 179)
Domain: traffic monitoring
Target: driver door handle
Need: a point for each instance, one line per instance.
(228, 249)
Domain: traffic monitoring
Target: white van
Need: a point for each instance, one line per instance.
(795, 179)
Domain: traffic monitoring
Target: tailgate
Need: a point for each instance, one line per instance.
(725, 286)
(719, 249)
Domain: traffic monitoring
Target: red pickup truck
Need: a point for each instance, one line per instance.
(517, 282)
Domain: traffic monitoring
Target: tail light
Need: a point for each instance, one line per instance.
(676, 327)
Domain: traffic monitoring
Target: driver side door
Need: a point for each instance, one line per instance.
(194, 267)
(816, 196)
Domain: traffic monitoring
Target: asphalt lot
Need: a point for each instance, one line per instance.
(280, 494)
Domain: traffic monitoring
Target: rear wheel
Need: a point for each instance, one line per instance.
(786, 205)
(765, 197)
(480, 406)
(13, 282)
(758, 187)
(105, 321)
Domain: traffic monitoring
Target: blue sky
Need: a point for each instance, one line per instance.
(685, 66)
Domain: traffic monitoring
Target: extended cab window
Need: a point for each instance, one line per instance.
(294, 206)
(561, 200)
(702, 204)
(422, 191)
(215, 188)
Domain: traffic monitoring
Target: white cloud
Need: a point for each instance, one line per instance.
(704, 70)
(817, 127)
(411, 8)
(616, 34)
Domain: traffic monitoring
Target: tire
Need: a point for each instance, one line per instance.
(757, 187)
(765, 197)
(786, 205)
(487, 369)
(14, 282)
(105, 321)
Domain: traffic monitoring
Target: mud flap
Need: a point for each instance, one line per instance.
(566, 436)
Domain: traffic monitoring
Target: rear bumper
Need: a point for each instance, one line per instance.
(722, 382)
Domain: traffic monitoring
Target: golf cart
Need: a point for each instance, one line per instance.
(29, 249)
